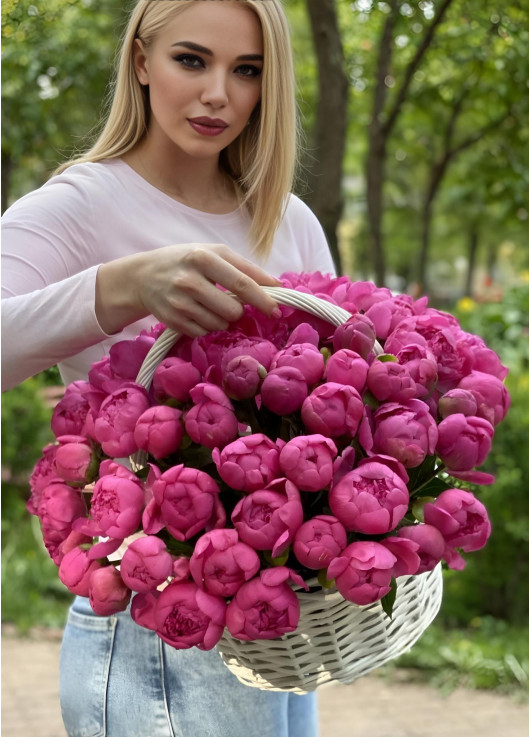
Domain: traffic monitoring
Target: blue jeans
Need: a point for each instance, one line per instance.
(120, 680)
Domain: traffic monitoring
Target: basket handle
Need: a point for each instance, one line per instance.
(289, 297)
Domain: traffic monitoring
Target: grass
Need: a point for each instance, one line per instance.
(32, 594)
(490, 654)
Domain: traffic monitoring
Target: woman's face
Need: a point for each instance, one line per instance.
(204, 76)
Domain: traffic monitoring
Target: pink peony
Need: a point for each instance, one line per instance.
(493, 400)
(221, 563)
(211, 421)
(386, 314)
(117, 418)
(43, 474)
(390, 381)
(159, 431)
(303, 356)
(431, 544)
(186, 616)
(357, 334)
(461, 518)
(115, 509)
(363, 572)
(371, 499)
(75, 461)
(102, 378)
(457, 401)
(59, 507)
(346, 367)
(264, 608)
(464, 442)
(185, 500)
(173, 379)
(319, 540)
(75, 570)
(126, 356)
(70, 413)
(405, 431)
(143, 609)
(211, 353)
(146, 564)
(405, 551)
(107, 592)
(440, 332)
(422, 367)
(303, 333)
(249, 463)
(333, 410)
(242, 377)
(483, 359)
(283, 390)
(307, 461)
(268, 519)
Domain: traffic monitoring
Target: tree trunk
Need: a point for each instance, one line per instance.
(7, 169)
(329, 136)
(376, 157)
(436, 176)
(471, 260)
(375, 176)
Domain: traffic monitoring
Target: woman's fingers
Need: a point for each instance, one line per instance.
(239, 276)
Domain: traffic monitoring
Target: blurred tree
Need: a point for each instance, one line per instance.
(437, 99)
(55, 67)
(328, 139)
(385, 115)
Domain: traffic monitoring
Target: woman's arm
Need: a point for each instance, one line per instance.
(176, 284)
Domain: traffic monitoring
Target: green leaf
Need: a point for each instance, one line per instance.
(434, 487)
(387, 602)
(419, 504)
(280, 560)
(326, 583)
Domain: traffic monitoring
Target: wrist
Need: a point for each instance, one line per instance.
(118, 302)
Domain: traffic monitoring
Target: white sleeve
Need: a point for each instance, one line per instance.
(311, 238)
(48, 282)
(319, 256)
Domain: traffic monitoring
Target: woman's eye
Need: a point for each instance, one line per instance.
(248, 70)
(190, 61)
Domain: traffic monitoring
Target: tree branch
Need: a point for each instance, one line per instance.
(413, 66)
(478, 135)
(384, 60)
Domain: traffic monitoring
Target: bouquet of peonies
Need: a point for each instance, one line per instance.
(278, 452)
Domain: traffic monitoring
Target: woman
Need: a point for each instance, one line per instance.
(198, 150)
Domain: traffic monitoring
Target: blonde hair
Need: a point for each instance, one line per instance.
(261, 161)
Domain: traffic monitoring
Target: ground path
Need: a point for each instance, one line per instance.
(372, 707)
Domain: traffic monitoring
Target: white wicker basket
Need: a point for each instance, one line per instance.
(335, 639)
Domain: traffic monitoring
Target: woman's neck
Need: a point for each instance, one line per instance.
(199, 184)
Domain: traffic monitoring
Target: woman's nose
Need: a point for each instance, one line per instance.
(215, 91)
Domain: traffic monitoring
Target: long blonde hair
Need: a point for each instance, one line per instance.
(261, 161)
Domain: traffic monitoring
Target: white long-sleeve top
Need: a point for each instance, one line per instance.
(55, 238)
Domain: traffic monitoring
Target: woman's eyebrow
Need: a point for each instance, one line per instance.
(192, 46)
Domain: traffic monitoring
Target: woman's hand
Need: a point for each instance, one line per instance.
(176, 284)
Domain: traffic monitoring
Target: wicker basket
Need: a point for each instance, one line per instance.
(336, 640)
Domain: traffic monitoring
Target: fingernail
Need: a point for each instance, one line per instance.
(277, 313)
